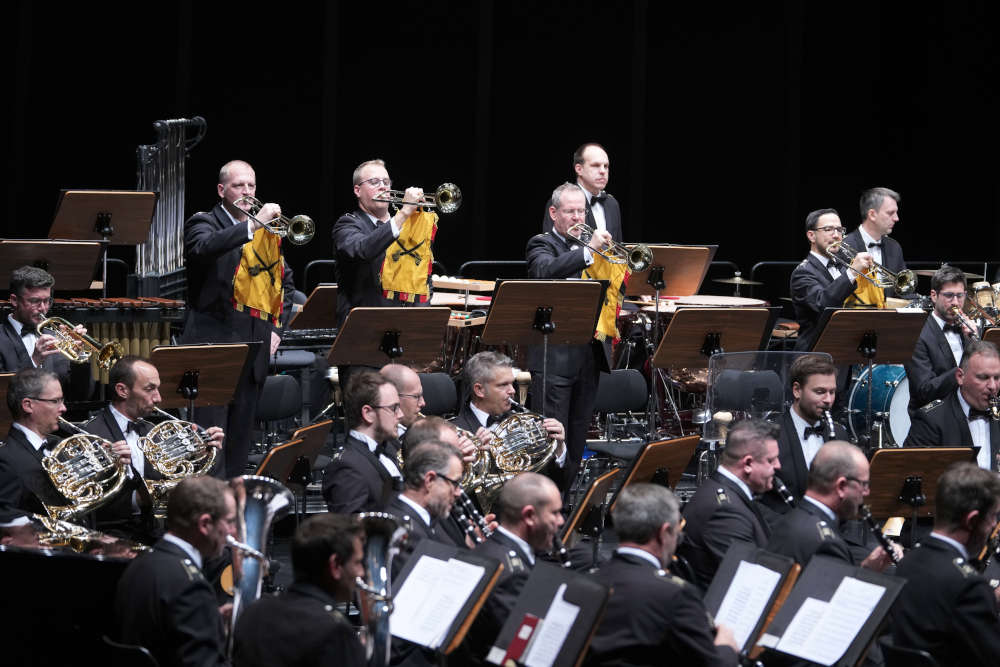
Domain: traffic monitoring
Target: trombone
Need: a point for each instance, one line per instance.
(78, 347)
(298, 230)
(446, 199)
(638, 257)
(902, 282)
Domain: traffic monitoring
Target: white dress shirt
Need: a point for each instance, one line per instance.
(28, 339)
(980, 430)
(809, 446)
(598, 210)
(955, 340)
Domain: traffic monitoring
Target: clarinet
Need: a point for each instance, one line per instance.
(885, 542)
(831, 432)
(783, 491)
(464, 510)
(990, 549)
(561, 552)
(462, 519)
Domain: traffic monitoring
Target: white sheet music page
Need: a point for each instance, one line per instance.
(426, 605)
(822, 631)
(746, 599)
(551, 636)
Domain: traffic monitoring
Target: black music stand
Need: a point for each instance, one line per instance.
(662, 462)
(527, 618)
(589, 515)
(543, 312)
(121, 216)
(992, 335)
(71, 263)
(695, 334)
(202, 374)
(905, 480)
(319, 311)
(373, 336)
(6, 419)
(869, 336)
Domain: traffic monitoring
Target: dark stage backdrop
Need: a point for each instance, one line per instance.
(725, 122)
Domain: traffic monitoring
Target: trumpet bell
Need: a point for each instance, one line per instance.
(906, 281)
(639, 258)
(448, 198)
(300, 230)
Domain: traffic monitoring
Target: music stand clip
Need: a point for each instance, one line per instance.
(188, 387)
(655, 279)
(390, 345)
(868, 347)
(543, 320)
(712, 344)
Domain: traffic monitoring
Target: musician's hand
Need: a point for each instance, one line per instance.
(45, 345)
(555, 428)
(484, 436)
(491, 521)
(414, 195)
(724, 637)
(216, 434)
(275, 342)
(877, 560)
(268, 213)
(226, 612)
(600, 240)
(122, 451)
(468, 448)
(862, 262)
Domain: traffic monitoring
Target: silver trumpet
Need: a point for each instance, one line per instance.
(637, 257)
(298, 230)
(446, 199)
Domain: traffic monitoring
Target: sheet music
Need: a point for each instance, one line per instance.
(426, 605)
(746, 599)
(554, 629)
(823, 631)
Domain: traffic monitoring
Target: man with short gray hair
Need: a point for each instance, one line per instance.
(672, 626)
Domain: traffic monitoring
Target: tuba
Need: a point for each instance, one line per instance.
(384, 535)
(84, 470)
(176, 449)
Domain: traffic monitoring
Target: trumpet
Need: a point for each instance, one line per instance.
(299, 229)
(446, 199)
(965, 321)
(902, 282)
(78, 347)
(638, 257)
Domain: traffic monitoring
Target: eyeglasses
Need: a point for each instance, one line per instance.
(952, 295)
(830, 229)
(573, 211)
(865, 483)
(53, 401)
(375, 182)
(38, 301)
(455, 483)
(394, 408)
(415, 397)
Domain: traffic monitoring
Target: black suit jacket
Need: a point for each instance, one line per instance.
(805, 531)
(355, 480)
(296, 628)
(496, 609)
(359, 248)
(33, 486)
(466, 419)
(213, 246)
(652, 618)
(551, 257)
(75, 378)
(612, 217)
(946, 608)
(945, 425)
(794, 472)
(164, 603)
(813, 291)
(931, 369)
(718, 515)
(892, 252)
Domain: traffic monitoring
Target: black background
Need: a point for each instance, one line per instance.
(726, 123)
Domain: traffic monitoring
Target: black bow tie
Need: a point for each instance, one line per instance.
(953, 326)
(26, 331)
(831, 264)
(977, 414)
(873, 244)
(491, 420)
(598, 199)
(131, 426)
(813, 430)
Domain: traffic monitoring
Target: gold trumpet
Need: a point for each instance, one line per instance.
(78, 347)
(902, 282)
(446, 199)
(638, 257)
(298, 229)
(965, 321)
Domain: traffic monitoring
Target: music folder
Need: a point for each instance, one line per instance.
(748, 588)
(553, 620)
(832, 615)
(439, 592)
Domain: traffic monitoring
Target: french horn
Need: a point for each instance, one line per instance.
(85, 470)
(176, 449)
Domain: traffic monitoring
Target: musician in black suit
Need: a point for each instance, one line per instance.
(35, 399)
(20, 345)
(360, 239)
(590, 162)
(819, 282)
(723, 510)
(962, 419)
(879, 214)
(573, 371)
(839, 481)
(361, 477)
(947, 608)
(804, 427)
(931, 369)
(302, 625)
(163, 601)
(213, 248)
(136, 386)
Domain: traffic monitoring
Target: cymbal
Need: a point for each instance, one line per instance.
(931, 272)
(736, 280)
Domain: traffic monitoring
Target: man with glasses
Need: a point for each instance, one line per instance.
(362, 476)
(360, 239)
(839, 481)
(947, 608)
(35, 400)
(20, 345)
(962, 418)
(931, 370)
(819, 282)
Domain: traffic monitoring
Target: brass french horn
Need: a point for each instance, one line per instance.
(83, 468)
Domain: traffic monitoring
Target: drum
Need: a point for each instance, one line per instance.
(984, 295)
(890, 397)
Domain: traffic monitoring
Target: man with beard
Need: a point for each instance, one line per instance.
(947, 608)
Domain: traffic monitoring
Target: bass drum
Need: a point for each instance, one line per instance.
(890, 397)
